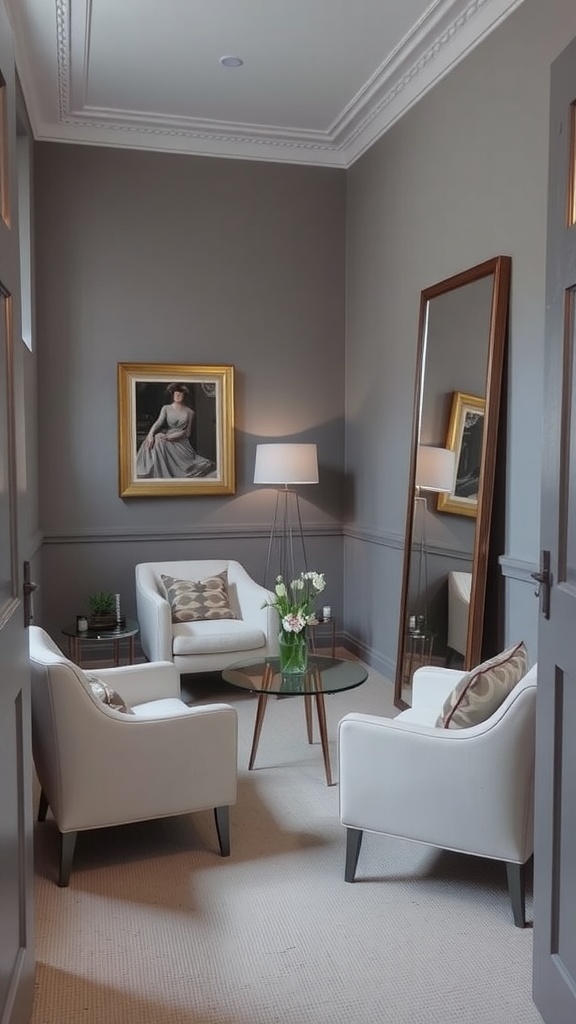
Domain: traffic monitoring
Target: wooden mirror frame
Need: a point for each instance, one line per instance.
(500, 268)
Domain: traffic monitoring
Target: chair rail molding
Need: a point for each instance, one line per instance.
(516, 569)
(204, 531)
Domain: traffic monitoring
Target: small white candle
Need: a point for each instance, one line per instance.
(326, 612)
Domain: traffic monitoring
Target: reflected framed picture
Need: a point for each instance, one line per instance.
(465, 438)
(176, 430)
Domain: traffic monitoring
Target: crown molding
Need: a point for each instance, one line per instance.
(433, 48)
(449, 30)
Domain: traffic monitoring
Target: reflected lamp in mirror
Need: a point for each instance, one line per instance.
(284, 466)
(435, 469)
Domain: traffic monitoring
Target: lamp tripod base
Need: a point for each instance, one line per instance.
(286, 539)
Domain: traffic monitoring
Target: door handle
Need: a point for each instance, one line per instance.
(544, 581)
(28, 588)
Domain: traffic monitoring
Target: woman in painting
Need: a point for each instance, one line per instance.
(166, 451)
(468, 475)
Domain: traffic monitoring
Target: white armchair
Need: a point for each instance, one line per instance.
(469, 790)
(206, 645)
(98, 766)
(459, 589)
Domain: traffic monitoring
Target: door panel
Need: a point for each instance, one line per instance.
(16, 878)
(555, 831)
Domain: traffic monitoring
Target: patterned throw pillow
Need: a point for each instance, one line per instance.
(482, 690)
(107, 695)
(191, 600)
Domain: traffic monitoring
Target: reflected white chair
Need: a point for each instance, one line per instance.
(459, 588)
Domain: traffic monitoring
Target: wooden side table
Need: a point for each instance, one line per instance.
(113, 635)
(329, 625)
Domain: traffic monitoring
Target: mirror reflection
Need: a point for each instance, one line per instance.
(460, 354)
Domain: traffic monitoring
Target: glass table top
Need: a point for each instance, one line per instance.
(323, 675)
(130, 628)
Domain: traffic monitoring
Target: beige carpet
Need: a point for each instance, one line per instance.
(157, 928)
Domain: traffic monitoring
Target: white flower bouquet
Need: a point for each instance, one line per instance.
(294, 603)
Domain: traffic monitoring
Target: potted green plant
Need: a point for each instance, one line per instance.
(102, 610)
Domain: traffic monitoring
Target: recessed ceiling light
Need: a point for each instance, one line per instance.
(231, 62)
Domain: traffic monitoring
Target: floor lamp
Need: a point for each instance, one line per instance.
(284, 466)
(434, 472)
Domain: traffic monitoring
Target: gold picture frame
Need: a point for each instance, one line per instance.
(163, 450)
(465, 438)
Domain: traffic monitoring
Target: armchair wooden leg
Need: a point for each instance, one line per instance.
(517, 889)
(42, 806)
(222, 818)
(67, 846)
(353, 844)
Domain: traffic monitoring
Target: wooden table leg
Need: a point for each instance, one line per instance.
(116, 652)
(308, 712)
(260, 712)
(321, 710)
(131, 650)
(262, 701)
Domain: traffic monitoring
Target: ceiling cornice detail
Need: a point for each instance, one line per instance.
(449, 30)
(63, 52)
(398, 74)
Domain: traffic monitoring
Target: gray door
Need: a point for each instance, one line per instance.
(555, 840)
(16, 885)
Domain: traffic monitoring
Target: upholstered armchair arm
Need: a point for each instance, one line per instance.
(251, 597)
(272, 630)
(154, 619)
(459, 584)
(468, 789)
(432, 684)
(140, 683)
(123, 768)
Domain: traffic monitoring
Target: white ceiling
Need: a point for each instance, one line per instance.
(321, 79)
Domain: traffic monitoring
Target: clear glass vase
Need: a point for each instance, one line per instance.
(293, 652)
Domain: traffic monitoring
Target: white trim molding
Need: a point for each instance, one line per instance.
(442, 37)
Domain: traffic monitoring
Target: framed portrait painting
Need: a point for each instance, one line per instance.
(465, 438)
(176, 429)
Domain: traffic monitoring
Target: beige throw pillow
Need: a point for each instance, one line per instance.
(107, 695)
(482, 690)
(191, 600)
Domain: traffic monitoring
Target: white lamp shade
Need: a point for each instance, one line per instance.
(286, 464)
(435, 468)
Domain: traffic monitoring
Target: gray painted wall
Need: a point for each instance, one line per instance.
(145, 257)
(461, 178)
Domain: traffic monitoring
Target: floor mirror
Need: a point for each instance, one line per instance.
(460, 357)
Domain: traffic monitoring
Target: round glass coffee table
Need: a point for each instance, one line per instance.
(323, 675)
